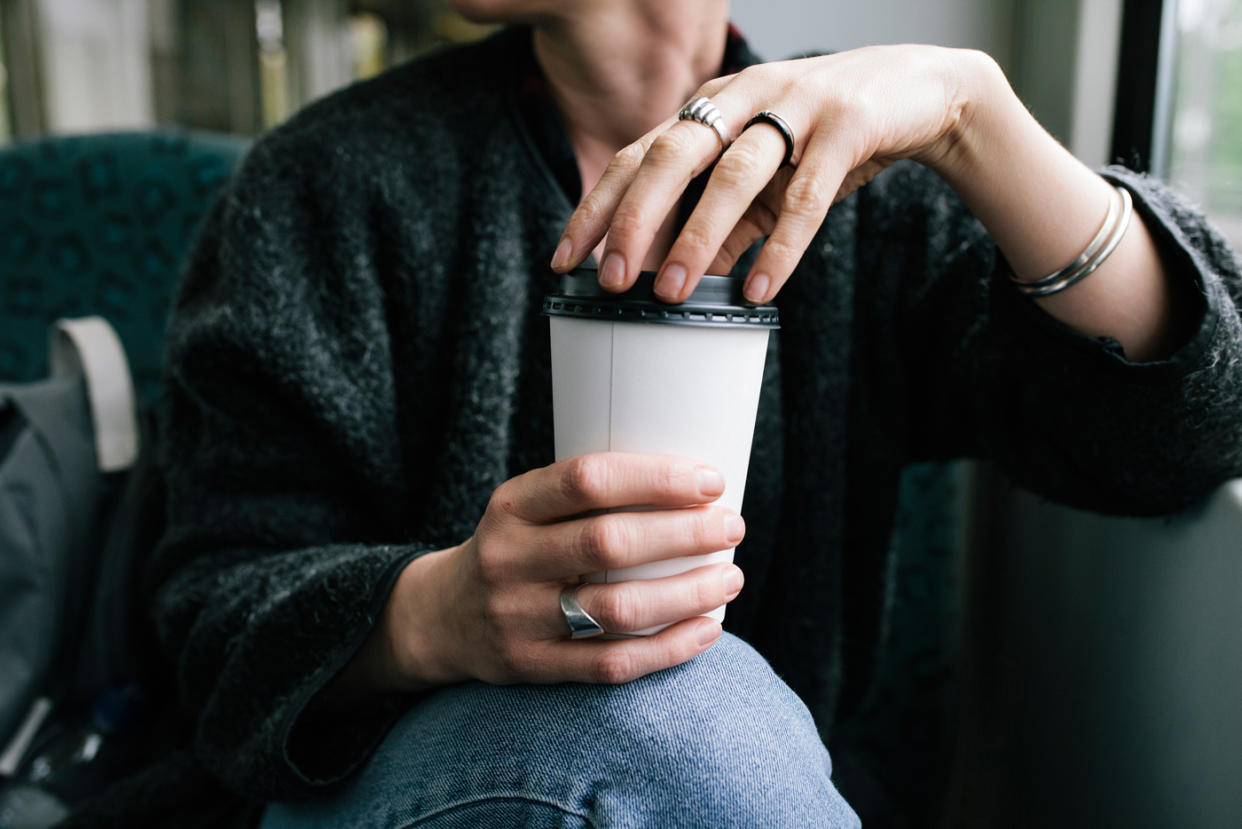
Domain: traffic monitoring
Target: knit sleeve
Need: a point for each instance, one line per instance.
(1068, 416)
(287, 508)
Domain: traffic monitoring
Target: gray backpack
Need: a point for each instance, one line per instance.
(67, 445)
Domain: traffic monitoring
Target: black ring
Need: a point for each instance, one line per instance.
(767, 116)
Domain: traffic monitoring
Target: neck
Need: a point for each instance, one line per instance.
(617, 70)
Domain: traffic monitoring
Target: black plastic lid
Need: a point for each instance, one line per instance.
(716, 301)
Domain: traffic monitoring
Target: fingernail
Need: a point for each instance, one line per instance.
(735, 528)
(560, 259)
(708, 633)
(670, 281)
(711, 482)
(757, 288)
(613, 272)
(733, 581)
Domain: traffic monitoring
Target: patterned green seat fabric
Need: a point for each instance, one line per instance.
(100, 224)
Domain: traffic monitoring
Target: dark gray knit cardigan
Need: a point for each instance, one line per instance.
(357, 359)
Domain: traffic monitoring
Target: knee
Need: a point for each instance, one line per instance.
(719, 741)
(727, 703)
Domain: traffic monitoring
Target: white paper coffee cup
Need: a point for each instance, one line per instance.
(633, 374)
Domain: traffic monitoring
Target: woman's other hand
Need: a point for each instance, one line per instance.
(852, 114)
(489, 608)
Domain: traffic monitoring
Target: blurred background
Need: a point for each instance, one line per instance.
(1041, 666)
(242, 66)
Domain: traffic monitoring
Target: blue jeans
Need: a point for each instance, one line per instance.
(720, 741)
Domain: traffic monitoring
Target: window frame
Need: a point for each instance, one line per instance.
(1145, 75)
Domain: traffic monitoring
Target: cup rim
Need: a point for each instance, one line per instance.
(716, 301)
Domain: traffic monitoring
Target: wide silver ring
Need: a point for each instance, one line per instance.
(705, 112)
(581, 625)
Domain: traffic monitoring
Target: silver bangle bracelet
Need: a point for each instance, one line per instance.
(1106, 240)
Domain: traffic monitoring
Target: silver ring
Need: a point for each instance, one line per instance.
(705, 112)
(581, 625)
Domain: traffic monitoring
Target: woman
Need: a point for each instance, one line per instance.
(366, 540)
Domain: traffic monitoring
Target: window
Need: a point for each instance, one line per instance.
(1203, 134)
(1179, 101)
(6, 130)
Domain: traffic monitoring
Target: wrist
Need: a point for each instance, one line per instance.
(981, 105)
(413, 644)
(400, 652)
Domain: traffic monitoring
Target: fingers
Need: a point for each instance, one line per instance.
(646, 180)
(639, 604)
(622, 661)
(804, 206)
(624, 539)
(754, 225)
(589, 221)
(675, 151)
(676, 156)
(740, 175)
(850, 114)
(605, 480)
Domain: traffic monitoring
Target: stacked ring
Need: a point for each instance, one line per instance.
(705, 112)
(767, 116)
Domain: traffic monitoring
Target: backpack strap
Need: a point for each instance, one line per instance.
(91, 346)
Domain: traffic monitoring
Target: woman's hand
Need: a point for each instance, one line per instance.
(489, 608)
(852, 115)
